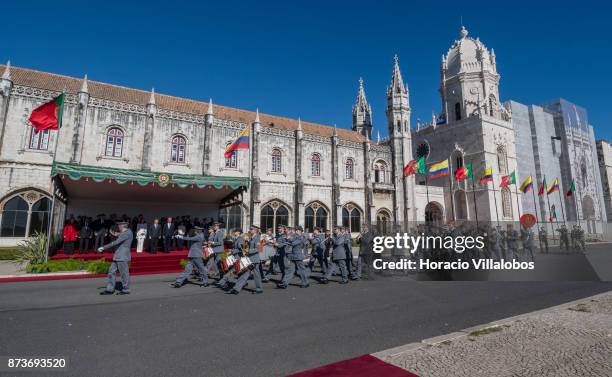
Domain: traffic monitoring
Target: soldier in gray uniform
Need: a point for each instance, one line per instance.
(579, 239)
(296, 242)
(121, 260)
(237, 242)
(318, 249)
(512, 237)
(281, 244)
(563, 238)
(196, 259)
(543, 238)
(253, 255)
(494, 243)
(338, 258)
(216, 242)
(348, 247)
(366, 245)
(528, 241)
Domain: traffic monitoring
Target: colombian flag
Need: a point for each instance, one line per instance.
(527, 185)
(242, 142)
(487, 176)
(438, 170)
(553, 188)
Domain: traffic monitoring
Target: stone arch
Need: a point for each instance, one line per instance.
(316, 214)
(24, 212)
(274, 213)
(384, 221)
(381, 171)
(434, 214)
(461, 209)
(352, 217)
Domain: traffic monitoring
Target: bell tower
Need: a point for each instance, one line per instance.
(362, 113)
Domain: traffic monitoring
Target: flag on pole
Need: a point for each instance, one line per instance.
(463, 172)
(553, 213)
(527, 185)
(571, 190)
(242, 142)
(415, 166)
(48, 116)
(513, 178)
(553, 188)
(542, 188)
(487, 176)
(438, 170)
(505, 181)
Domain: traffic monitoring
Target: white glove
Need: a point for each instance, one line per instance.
(100, 249)
(180, 237)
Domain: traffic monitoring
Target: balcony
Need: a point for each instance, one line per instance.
(383, 187)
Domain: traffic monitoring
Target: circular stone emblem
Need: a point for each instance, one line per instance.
(163, 179)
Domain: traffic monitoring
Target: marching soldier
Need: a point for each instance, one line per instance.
(196, 259)
(528, 242)
(512, 237)
(348, 247)
(237, 242)
(580, 243)
(253, 255)
(318, 249)
(563, 238)
(338, 258)
(543, 238)
(216, 242)
(366, 244)
(281, 245)
(121, 260)
(296, 259)
(494, 243)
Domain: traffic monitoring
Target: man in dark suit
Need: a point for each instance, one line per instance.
(154, 233)
(85, 234)
(100, 229)
(168, 234)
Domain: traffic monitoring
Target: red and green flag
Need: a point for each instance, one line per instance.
(553, 214)
(571, 190)
(542, 189)
(415, 166)
(463, 172)
(508, 180)
(48, 116)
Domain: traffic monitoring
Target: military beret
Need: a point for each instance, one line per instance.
(299, 227)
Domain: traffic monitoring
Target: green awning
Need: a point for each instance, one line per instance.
(122, 176)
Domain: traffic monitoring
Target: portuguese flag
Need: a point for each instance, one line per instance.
(572, 189)
(48, 116)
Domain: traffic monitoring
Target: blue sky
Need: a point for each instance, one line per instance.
(305, 58)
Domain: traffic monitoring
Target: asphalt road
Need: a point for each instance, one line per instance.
(159, 331)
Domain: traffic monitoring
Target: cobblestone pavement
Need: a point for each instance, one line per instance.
(574, 340)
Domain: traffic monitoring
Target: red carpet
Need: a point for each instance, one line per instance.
(361, 366)
(142, 263)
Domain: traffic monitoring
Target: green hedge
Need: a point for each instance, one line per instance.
(8, 253)
(99, 266)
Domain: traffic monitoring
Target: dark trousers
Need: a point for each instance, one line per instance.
(99, 241)
(317, 256)
(281, 262)
(83, 244)
(153, 242)
(167, 244)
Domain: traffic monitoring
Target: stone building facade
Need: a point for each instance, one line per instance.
(604, 157)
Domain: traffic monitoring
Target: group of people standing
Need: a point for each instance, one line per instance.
(247, 253)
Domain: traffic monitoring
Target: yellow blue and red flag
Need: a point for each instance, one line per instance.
(242, 142)
(438, 170)
(487, 176)
(553, 188)
(527, 185)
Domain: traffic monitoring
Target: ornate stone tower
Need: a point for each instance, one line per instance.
(469, 81)
(362, 113)
(398, 117)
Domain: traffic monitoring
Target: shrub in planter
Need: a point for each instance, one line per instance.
(32, 251)
(99, 266)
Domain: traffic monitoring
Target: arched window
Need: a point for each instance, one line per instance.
(502, 161)
(457, 111)
(506, 202)
(232, 160)
(380, 172)
(461, 211)
(351, 218)
(315, 165)
(39, 140)
(383, 218)
(15, 217)
(315, 216)
(273, 214)
(178, 149)
(458, 161)
(399, 126)
(433, 214)
(349, 169)
(492, 103)
(24, 214)
(114, 142)
(231, 216)
(277, 157)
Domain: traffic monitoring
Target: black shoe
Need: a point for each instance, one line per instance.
(204, 285)
(265, 280)
(344, 282)
(124, 293)
(281, 286)
(106, 292)
(355, 278)
(258, 292)
(232, 292)
(176, 285)
(305, 286)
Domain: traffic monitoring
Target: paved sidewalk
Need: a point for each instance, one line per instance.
(573, 339)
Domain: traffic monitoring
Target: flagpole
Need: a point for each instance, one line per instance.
(57, 136)
(494, 197)
(535, 207)
(450, 182)
(545, 191)
(474, 191)
(575, 201)
(518, 208)
(561, 202)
